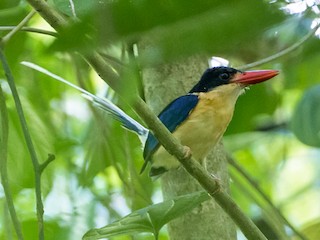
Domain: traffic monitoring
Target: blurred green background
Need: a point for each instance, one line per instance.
(274, 135)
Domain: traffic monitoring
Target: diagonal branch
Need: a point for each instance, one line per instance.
(54, 18)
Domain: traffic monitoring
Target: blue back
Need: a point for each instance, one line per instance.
(172, 116)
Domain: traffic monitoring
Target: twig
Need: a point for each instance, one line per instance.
(57, 21)
(17, 28)
(253, 183)
(3, 165)
(30, 29)
(283, 52)
(29, 143)
(43, 165)
(54, 18)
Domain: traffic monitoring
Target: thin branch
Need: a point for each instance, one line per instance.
(43, 165)
(57, 21)
(3, 165)
(54, 18)
(32, 152)
(283, 52)
(30, 29)
(253, 183)
(107, 72)
(17, 28)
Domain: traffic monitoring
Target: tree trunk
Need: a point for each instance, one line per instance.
(207, 221)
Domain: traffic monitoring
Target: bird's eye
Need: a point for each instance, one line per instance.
(224, 76)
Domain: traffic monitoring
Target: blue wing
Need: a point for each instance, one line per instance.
(172, 116)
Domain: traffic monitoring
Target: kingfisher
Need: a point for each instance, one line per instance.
(200, 118)
(197, 119)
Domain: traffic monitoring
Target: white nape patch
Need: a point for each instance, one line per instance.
(218, 62)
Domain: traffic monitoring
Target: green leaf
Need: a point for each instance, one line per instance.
(150, 219)
(79, 7)
(311, 230)
(221, 29)
(53, 230)
(306, 118)
(303, 72)
(174, 29)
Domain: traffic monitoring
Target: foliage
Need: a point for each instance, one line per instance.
(95, 178)
(150, 219)
(305, 120)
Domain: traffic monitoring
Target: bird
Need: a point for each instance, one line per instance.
(200, 118)
(197, 119)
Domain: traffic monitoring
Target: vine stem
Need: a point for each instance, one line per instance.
(17, 28)
(38, 168)
(31, 149)
(3, 165)
(283, 52)
(30, 29)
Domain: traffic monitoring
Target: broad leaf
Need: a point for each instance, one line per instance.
(306, 118)
(311, 230)
(150, 219)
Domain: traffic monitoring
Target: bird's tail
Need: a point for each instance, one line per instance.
(103, 103)
(117, 113)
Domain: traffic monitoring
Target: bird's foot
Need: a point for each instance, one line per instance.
(187, 152)
(218, 184)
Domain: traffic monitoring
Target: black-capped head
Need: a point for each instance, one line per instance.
(218, 76)
(214, 77)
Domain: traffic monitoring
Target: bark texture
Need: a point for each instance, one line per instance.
(207, 221)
